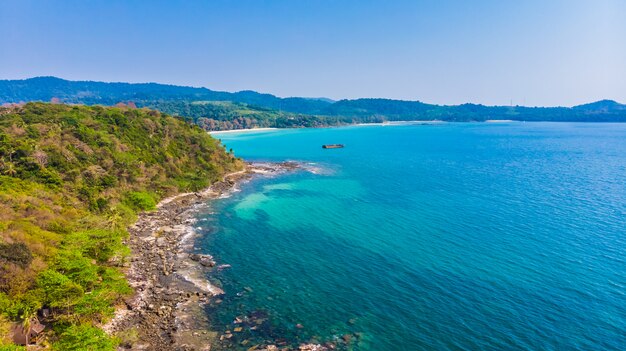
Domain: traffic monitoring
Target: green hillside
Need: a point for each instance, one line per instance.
(225, 115)
(72, 178)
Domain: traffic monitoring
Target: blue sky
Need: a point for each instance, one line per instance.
(550, 52)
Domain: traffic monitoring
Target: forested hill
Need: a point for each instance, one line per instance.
(215, 110)
(91, 93)
(385, 109)
(72, 178)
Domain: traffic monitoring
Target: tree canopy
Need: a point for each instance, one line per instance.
(72, 178)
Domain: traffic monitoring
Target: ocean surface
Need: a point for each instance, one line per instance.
(476, 236)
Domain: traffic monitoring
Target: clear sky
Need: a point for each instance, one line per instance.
(533, 52)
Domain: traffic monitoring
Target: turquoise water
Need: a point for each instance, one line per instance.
(476, 236)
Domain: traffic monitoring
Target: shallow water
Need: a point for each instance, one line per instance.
(506, 236)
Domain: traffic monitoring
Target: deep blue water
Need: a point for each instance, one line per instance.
(475, 236)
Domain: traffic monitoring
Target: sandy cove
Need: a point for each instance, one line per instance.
(166, 312)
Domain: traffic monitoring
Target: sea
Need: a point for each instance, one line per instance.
(448, 236)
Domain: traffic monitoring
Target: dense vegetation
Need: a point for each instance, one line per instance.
(214, 110)
(225, 115)
(72, 178)
(397, 110)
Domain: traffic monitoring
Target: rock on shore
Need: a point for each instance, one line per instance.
(166, 312)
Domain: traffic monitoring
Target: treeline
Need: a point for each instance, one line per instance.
(224, 115)
(398, 110)
(217, 115)
(214, 110)
(72, 178)
(92, 93)
(213, 115)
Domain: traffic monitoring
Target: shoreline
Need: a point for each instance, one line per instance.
(246, 130)
(387, 123)
(400, 123)
(500, 121)
(166, 311)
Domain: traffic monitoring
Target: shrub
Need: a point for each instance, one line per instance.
(49, 177)
(78, 268)
(140, 201)
(84, 337)
(58, 289)
(99, 244)
(16, 253)
(108, 181)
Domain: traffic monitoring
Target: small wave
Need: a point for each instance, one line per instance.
(317, 169)
(202, 284)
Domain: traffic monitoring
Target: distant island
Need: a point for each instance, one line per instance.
(217, 110)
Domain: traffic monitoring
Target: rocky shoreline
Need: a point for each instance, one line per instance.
(166, 312)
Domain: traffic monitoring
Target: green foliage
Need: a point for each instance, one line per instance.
(224, 115)
(83, 337)
(140, 201)
(23, 307)
(98, 244)
(5, 302)
(80, 269)
(59, 290)
(72, 178)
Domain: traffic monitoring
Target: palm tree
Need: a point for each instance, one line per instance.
(9, 168)
(114, 220)
(28, 315)
(26, 326)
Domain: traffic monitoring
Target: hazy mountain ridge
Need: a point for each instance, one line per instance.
(254, 109)
(602, 106)
(92, 92)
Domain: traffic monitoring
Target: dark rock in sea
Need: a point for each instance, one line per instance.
(207, 261)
